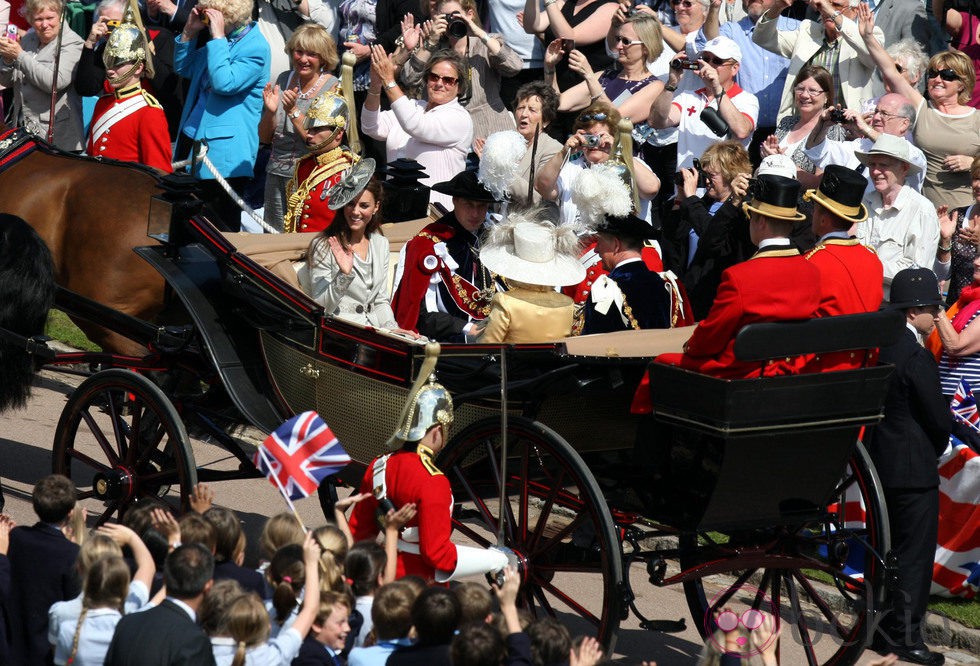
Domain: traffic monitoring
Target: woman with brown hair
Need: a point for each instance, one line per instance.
(435, 129)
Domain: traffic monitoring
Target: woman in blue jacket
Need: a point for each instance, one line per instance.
(224, 103)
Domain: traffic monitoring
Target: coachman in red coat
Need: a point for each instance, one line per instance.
(776, 284)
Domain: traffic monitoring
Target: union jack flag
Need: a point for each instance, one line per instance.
(300, 454)
(964, 405)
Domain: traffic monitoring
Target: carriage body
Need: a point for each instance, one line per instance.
(762, 457)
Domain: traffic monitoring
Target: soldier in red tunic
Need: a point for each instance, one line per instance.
(776, 284)
(128, 123)
(851, 275)
(409, 475)
(326, 123)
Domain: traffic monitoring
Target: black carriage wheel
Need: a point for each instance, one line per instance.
(120, 439)
(556, 520)
(825, 611)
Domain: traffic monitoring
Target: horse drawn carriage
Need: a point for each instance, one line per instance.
(750, 490)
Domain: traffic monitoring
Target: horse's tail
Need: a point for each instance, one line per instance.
(26, 294)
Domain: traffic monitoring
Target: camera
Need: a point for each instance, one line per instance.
(457, 27)
(685, 64)
(591, 140)
(112, 25)
(837, 116)
(702, 176)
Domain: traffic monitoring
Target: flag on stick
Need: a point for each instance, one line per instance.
(964, 405)
(299, 455)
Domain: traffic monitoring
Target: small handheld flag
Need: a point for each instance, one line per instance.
(964, 405)
(300, 454)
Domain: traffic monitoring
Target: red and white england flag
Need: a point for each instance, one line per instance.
(300, 454)
(956, 571)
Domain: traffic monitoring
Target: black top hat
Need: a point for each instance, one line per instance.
(465, 185)
(841, 191)
(775, 196)
(914, 287)
(627, 225)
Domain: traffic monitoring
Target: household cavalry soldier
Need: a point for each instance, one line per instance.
(409, 475)
(128, 123)
(327, 121)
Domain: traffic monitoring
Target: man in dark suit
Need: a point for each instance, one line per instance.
(776, 284)
(168, 634)
(904, 447)
(631, 296)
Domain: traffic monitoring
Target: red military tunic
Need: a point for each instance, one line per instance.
(131, 126)
(851, 278)
(411, 476)
(776, 284)
(306, 206)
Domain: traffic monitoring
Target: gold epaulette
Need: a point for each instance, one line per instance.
(425, 455)
(151, 100)
(814, 250)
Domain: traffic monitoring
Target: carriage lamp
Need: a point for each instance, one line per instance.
(170, 209)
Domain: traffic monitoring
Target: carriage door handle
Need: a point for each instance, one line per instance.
(309, 371)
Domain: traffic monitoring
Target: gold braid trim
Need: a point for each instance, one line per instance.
(628, 311)
(328, 164)
(481, 305)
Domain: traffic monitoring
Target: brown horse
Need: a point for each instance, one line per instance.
(91, 215)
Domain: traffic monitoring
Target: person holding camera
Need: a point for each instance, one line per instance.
(457, 27)
(709, 233)
(720, 110)
(591, 143)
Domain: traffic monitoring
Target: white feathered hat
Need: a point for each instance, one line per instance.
(532, 250)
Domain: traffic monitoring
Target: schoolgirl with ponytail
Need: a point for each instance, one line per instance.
(86, 641)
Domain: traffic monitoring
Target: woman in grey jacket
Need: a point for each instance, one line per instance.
(27, 65)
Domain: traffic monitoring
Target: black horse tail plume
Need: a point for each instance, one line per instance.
(26, 294)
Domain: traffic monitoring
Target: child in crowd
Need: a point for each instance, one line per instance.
(229, 551)
(435, 615)
(333, 545)
(550, 642)
(391, 615)
(213, 613)
(242, 640)
(364, 567)
(85, 641)
(478, 645)
(329, 633)
(42, 570)
(476, 602)
(287, 577)
(279, 530)
(108, 541)
(194, 528)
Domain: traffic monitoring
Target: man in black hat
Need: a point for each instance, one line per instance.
(631, 296)
(851, 275)
(904, 447)
(775, 284)
(441, 289)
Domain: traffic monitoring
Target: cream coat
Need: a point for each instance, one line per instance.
(31, 76)
(529, 313)
(855, 65)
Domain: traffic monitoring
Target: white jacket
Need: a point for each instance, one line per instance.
(855, 64)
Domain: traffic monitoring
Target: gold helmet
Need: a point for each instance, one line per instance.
(429, 404)
(127, 43)
(328, 109)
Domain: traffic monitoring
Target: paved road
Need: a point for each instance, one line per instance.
(25, 446)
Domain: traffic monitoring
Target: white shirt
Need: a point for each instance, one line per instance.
(439, 139)
(905, 235)
(842, 152)
(694, 137)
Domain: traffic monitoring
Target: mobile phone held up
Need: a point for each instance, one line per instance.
(11, 33)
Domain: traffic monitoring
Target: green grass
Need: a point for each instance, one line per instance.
(61, 328)
(964, 611)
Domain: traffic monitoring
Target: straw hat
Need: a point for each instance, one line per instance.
(890, 146)
(527, 250)
(841, 191)
(775, 197)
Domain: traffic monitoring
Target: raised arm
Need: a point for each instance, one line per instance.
(954, 20)
(311, 587)
(122, 535)
(590, 31)
(883, 61)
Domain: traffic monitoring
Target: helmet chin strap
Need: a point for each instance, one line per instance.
(116, 80)
(323, 144)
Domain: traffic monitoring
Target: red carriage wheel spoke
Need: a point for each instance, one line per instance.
(494, 465)
(543, 601)
(100, 437)
(460, 477)
(820, 603)
(801, 628)
(545, 511)
(478, 538)
(560, 536)
(525, 494)
(571, 603)
(91, 462)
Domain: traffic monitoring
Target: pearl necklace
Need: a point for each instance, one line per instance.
(313, 89)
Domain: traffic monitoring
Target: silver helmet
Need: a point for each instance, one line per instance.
(127, 43)
(431, 405)
(328, 109)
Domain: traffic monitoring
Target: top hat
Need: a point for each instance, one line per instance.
(626, 225)
(841, 191)
(914, 287)
(534, 252)
(890, 145)
(775, 197)
(465, 185)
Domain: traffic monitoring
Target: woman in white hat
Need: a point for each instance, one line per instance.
(533, 257)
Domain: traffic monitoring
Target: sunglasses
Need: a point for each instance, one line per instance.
(750, 619)
(593, 117)
(628, 42)
(944, 74)
(446, 80)
(686, 4)
(715, 61)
